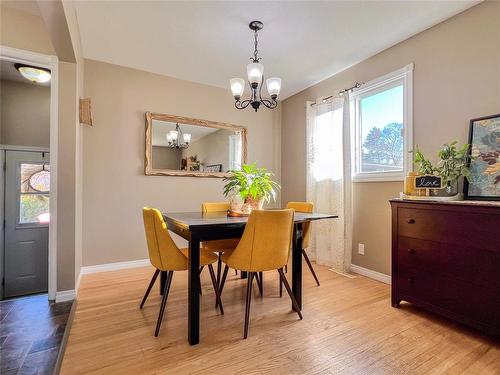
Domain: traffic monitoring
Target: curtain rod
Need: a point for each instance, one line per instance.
(357, 85)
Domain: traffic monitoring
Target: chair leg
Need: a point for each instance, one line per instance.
(292, 297)
(249, 299)
(199, 279)
(281, 286)
(151, 283)
(258, 278)
(219, 270)
(310, 266)
(216, 289)
(223, 281)
(235, 272)
(286, 268)
(163, 302)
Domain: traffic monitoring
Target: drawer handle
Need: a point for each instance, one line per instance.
(411, 251)
(411, 280)
(410, 221)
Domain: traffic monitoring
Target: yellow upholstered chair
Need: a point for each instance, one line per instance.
(165, 256)
(264, 246)
(218, 246)
(306, 231)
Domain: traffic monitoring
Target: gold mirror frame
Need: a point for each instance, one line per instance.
(148, 166)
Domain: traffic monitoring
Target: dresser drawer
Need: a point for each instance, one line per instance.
(478, 267)
(456, 296)
(468, 229)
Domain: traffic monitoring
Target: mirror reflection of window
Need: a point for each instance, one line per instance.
(187, 147)
(234, 152)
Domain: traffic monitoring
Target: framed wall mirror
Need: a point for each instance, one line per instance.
(181, 146)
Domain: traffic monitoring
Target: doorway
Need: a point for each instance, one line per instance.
(27, 218)
(38, 238)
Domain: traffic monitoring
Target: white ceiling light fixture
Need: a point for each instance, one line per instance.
(33, 73)
(255, 73)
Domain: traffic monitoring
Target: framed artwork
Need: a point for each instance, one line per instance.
(213, 168)
(484, 138)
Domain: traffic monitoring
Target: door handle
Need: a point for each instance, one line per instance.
(411, 251)
(411, 280)
(410, 221)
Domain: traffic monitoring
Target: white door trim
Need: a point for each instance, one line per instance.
(50, 62)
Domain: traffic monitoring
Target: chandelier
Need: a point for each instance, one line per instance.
(177, 139)
(255, 72)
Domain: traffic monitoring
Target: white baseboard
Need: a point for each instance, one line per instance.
(114, 266)
(65, 295)
(382, 277)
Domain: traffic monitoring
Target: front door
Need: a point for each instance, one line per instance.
(27, 187)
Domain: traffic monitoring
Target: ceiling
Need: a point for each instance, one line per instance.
(303, 42)
(9, 73)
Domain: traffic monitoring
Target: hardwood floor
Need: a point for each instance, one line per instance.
(349, 327)
(31, 331)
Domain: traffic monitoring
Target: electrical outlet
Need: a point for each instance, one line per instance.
(361, 248)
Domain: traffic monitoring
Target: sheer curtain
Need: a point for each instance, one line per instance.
(329, 181)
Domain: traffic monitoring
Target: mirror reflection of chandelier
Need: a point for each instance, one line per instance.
(177, 139)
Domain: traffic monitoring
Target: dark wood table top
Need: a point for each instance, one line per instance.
(199, 220)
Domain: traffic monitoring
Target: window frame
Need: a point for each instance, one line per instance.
(402, 76)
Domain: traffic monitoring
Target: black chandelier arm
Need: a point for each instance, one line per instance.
(271, 104)
(242, 104)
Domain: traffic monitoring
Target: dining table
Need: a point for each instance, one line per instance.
(201, 226)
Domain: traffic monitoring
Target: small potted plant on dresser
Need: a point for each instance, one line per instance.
(249, 188)
(440, 181)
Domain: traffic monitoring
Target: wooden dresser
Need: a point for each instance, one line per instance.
(446, 259)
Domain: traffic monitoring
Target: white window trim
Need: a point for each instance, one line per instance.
(406, 75)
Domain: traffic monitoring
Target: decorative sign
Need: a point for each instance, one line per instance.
(428, 181)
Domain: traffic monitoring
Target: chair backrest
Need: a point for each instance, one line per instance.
(163, 252)
(214, 206)
(266, 241)
(306, 207)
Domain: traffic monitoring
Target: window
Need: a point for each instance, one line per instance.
(382, 132)
(34, 180)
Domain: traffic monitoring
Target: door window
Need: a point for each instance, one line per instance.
(34, 180)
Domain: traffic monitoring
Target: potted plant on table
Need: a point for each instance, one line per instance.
(252, 186)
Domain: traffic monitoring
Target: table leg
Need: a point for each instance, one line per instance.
(297, 264)
(193, 290)
(244, 274)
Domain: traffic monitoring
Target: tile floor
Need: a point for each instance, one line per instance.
(31, 332)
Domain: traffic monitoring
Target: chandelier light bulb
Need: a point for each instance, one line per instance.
(174, 134)
(187, 137)
(169, 138)
(237, 87)
(255, 71)
(273, 86)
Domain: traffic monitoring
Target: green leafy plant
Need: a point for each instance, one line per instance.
(251, 182)
(424, 165)
(453, 163)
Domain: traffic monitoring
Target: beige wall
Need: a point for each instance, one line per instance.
(25, 114)
(165, 158)
(456, 78)
(24, 31)
(114, 185)
(28, 32)
(211, 149)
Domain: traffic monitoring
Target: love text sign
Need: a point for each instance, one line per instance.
(428, 182)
